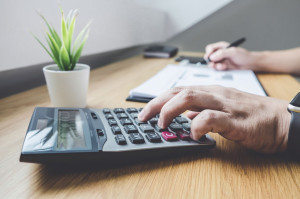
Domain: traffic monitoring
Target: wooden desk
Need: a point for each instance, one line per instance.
(228, 171)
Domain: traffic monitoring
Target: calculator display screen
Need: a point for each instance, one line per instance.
(58, 130)
(71, 130)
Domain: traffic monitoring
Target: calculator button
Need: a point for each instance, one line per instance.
(112, 122)
(119, 110)
(122, 115)
(146, 128)
(106, 110)
(181, 120)
(168, 136)
(134, 115)
(132, 110)
(175, 127)
(153, 137)
(140, 109)
(116, 130)
(138, 122)
(186, 126)
(136, 138)
(131, 129)
(125, 121)
(159, 129)
(94, 116)
(153, 121)
(183, 135)
(100, 132)
(109, 116)
(120, 139)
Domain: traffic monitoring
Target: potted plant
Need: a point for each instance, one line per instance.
(67, 81)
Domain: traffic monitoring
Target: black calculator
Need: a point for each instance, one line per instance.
(107, 136)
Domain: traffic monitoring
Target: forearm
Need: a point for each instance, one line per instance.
(286, 61)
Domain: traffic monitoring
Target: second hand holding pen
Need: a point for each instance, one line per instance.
(233, 44)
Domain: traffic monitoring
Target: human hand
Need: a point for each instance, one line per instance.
(223, 58)
(257, 122)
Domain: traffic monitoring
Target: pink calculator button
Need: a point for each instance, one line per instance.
(183, 135)
(168, 136)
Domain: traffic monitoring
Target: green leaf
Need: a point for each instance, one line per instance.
(55, 54)
(43, 46)
(69, 17)
(77, 53)
(55, 35)
(64, 58)
(78, 39)
(70, 33)
(62, 51)
(51, 30)
(51, 55)
(64, 34)
(54, 44)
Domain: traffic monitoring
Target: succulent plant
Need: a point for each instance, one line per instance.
(64, 52)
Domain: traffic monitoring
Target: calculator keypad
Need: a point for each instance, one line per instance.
(125, 125)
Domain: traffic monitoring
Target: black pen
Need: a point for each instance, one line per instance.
(233, 44)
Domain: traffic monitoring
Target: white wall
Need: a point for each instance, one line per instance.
(116, 24)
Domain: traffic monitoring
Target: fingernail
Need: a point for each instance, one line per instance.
(141, 115)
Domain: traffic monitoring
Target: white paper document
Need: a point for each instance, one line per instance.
(186, 75)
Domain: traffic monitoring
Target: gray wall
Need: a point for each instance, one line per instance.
(267, 24)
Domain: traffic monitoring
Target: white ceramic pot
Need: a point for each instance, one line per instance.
(67, 88)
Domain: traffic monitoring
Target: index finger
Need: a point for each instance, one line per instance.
(211, 48)
(188, 99)
(155, 105)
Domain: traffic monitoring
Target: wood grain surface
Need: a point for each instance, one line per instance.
(227, 171)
